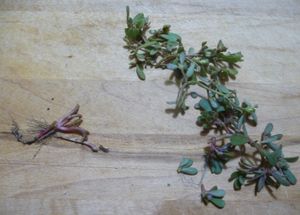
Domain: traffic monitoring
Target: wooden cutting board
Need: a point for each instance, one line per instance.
(55, 54)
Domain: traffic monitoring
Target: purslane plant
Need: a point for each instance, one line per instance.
(220, 109)
(40, 131)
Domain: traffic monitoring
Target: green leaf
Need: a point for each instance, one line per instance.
(217, 193)
(241, 179)
(254, 117)
(271, 145)
(216, 167)
(280, 178)
(188, 171)
(268, 129)
(213, 103)
(139, 20)
(182, 57)
(171, 45)
(232, 58)
(274, 157)
(171, 37)
(233, 176)
(140, 57)
(191, 70)
(260, 183)
(236, 101)
(244, 129)
(249, 110)
(204, 61)
(282, 164)
(171, 66)
(273, 138)
(221, 46)
(292, 159)
(213, 188)
(208, 53)
(220, 109)
(185, 162)
(238, 139)
(220, 203)
(236, 184)
(204, 103)
(153, 52)
(232, 71)
(132, 33)
(223, 89)
(203, 43)
(241, 121)
(148, 44)
(191, 51)
(140, 72)
(127, 12)
(290, 176)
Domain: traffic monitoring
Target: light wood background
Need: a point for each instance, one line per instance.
(71, 51)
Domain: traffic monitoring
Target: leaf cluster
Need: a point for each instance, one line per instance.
(185, 167)
(271, 170)
(214, 196)
(208, 69)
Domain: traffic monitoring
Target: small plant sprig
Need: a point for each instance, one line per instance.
(214, 195)
(185, 167)
(70, 123)
(220, 109)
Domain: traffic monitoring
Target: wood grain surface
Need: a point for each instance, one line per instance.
(55, 54)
